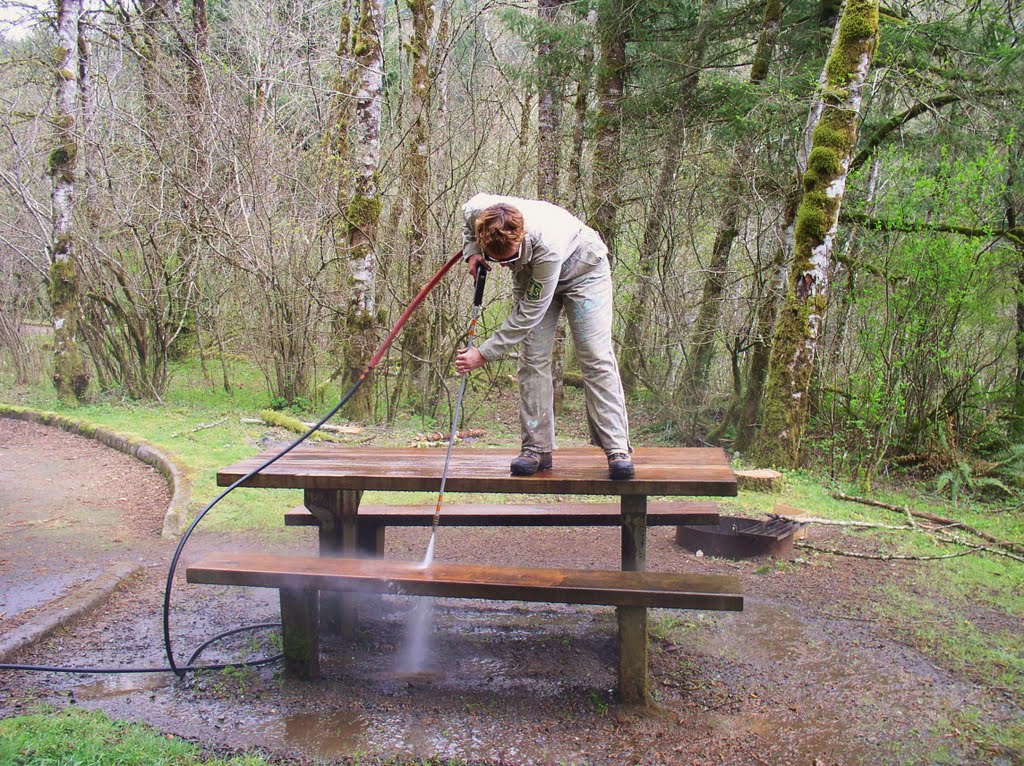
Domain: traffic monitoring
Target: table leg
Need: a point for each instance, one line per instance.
(633, 683)
(300, 631)
(336, 511)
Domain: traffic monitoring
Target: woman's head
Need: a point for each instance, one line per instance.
(499, 232)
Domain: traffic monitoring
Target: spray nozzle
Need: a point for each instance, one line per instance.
(481, 280)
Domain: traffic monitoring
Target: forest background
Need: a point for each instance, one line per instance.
(812, 207)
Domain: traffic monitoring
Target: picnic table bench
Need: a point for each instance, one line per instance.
(372, 521)
(334, 478)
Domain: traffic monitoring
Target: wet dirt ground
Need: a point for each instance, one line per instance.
(69, 506)
(802, 676)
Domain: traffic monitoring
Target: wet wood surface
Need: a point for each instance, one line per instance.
(503, 514)
(567, 586)
(581, 471)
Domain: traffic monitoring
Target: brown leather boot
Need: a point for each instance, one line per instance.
(620, 466)
(529, 462)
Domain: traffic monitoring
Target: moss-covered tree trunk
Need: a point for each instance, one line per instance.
(549, 106)
(833, 142)
(770, 293)
(612, 21)
(702, 342)
(639, 307)
(549, 157)
(416, 337)
(70, 374)
(364, 203)
(1014, 203)
(575, 196)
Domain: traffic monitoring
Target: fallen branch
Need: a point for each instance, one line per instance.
(1007, 544)
(975, 546)
(836, 523)
(882, 556)
(287, 422)
(439, 436)
(326, 427)
(200, 427)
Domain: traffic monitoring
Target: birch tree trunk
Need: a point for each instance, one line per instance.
(364, 205)
(710, 310)
(604, 196)
(632, 345)
(70, 374)
(833, 142)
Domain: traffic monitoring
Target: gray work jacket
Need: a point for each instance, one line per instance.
(553, 236)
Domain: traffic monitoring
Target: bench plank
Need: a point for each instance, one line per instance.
(504, 515)
(566, 586)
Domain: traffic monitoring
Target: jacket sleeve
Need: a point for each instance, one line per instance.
(530, 308)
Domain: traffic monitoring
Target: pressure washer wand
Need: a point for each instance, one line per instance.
(478, 299)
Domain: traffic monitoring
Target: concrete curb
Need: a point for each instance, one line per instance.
(176, 474)
(75, 603)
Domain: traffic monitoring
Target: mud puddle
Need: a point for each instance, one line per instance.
(124, 685)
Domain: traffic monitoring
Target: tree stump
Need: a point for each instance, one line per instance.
(759, 480)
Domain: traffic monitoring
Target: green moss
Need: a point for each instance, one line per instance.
(287, 422)
(858, 29)
(825, 162)
(363, 45)
(61, 158)
(811, 219)
(855, 29)
(363, 212)
(827, 135)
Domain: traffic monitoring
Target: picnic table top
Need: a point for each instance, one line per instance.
(670, 471)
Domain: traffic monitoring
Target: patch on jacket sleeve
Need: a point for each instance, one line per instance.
(534, 290)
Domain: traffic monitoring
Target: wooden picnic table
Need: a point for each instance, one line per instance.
(334, 478)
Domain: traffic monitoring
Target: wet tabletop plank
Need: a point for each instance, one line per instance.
(581, 471)
(566, 586)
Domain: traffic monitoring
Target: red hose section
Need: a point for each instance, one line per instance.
(408, 310)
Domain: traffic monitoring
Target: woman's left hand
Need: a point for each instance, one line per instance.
(469, 360)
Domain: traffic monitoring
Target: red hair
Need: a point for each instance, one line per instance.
(499, 230)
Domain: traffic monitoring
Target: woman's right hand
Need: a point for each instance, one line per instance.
(476, 262)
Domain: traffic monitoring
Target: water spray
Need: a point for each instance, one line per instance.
(478, 299)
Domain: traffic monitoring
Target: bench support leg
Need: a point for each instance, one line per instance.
(300, 631)
(633, 683)
(336, 511)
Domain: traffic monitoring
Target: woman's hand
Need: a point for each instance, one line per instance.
(469, 360)
(476, 262)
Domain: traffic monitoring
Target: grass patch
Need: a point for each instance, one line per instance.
(1002, 742)
(940, 624)
(78, 737)
(75, 736)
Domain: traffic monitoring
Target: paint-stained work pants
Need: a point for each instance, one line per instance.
(585, 292)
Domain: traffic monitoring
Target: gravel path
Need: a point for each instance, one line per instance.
(69, 507)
